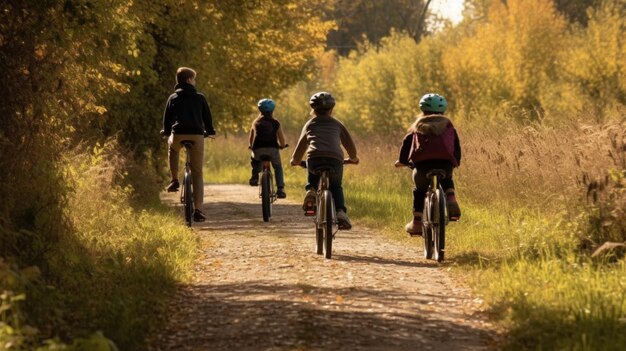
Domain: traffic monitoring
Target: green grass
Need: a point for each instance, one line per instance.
(558, 304)
(523, 257)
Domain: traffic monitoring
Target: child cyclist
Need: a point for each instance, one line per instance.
(321, 138)
(438, 148)
(266, 137)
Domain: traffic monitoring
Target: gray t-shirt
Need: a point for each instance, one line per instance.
(322, 136)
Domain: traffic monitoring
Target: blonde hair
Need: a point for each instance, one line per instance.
(183, 74)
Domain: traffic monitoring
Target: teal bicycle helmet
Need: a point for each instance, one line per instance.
(266, 105)
(433, 103)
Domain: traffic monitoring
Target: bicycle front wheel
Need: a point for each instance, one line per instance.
(266, 203)
(440, 226)
(188, 199)
(328, 223)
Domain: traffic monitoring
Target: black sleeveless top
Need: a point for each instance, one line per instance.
(265, 132)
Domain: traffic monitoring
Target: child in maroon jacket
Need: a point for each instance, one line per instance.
(432, 143)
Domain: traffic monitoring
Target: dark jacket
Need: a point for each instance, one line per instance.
(187, 112)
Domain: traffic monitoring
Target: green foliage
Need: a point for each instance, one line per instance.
(594, 68)
(508, 61)
(376, 94)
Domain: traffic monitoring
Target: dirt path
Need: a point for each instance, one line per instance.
(260, 286)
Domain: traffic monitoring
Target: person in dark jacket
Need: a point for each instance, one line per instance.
(444, 153)
(266, 138)
(187, 117)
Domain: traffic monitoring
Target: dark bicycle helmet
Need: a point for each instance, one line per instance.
(266, 105)
(433, 103)
(322, 101)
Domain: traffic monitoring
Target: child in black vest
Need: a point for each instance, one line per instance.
(439, 149)
(266, 138)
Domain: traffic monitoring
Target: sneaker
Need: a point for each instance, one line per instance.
(198, 216)
(454, 211)
(309, 203)
(173, 187)
(280, 193)
(415, 226)
(343, 222)
(253, 181)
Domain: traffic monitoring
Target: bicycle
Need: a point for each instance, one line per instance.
(434, 216)
(186, 195)
(267, 194)
(324, 211)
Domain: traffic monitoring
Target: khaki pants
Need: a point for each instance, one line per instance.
(196, 154)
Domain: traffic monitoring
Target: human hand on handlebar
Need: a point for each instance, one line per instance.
(399, 164)
(352, 160)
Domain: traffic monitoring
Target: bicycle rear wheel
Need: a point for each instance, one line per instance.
(427, 231)
(319, 236)
(266, 203)
(328, 223)
(188, 198)
(440, 226)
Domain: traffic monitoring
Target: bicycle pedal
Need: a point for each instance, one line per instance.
(309, 213)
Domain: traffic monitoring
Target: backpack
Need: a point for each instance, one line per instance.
(434, 147)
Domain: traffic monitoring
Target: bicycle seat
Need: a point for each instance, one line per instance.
(265, 158)
(441, 173)
(321, 169)
(186, 143)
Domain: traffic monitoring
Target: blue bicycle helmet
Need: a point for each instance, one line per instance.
(433, 103)
(266, 105)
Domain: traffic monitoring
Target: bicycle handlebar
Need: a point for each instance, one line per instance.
(345, 162)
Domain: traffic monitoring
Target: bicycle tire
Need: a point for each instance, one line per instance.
(440, 227)
(427, 231)
(266, 203)
(319, 236)
(319, 224)
(188, 198)
(328, 224)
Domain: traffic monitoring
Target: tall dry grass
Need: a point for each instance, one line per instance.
(535, 164)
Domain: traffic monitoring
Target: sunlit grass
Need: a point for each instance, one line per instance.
(558, 304)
